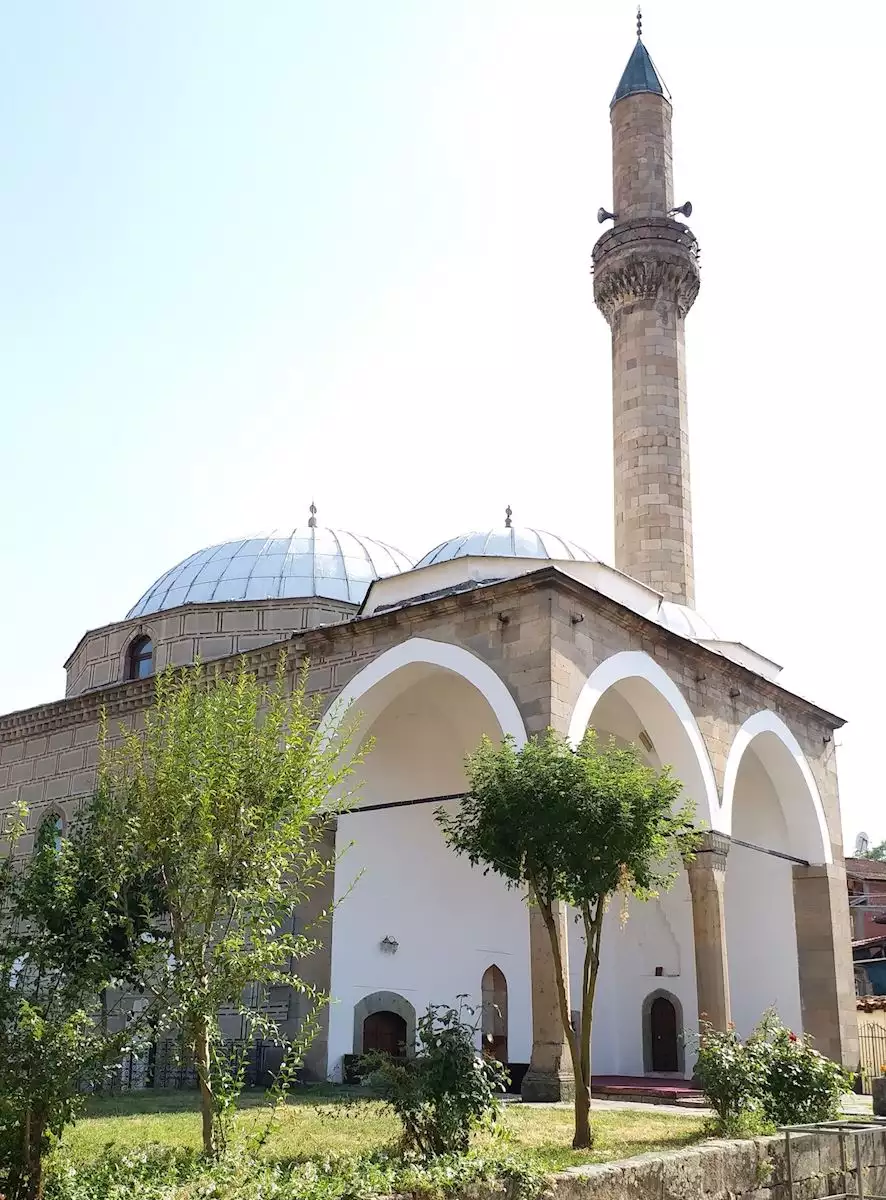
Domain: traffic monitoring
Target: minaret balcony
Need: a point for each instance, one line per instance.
(644, 259)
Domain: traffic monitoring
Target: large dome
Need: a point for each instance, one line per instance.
(283, 564)
(508, 542)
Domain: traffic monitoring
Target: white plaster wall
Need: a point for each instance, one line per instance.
(451, 920)
(760, 932)
(656, 933)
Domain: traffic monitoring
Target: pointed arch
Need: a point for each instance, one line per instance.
(494, 1018)
(395, 669)
(787, 766)
(665, 713)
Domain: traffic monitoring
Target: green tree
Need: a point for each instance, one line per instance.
(78, 928)
(574, 827)
(876, 853)
(229, 788)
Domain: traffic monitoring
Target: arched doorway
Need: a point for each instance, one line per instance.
(494, 992)
(771, 802)
(385, 1031)
(663, 1052)
(630, 698)
(418, 916)
(663, 1034)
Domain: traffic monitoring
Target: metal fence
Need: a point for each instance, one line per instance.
(167, 1065)
(872, 1047)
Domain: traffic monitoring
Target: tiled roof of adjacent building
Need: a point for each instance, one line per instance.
(865, 868)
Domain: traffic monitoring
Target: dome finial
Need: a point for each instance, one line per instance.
(508, 514)
(639, 22)
(312, 520)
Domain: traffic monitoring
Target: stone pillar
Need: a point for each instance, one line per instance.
(550, 1076)
(824, 960)
(707, 883)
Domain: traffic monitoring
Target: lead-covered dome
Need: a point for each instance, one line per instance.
(283, 564)
(508, 542)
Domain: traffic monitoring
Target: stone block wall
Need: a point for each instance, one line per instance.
(722, 1170)
(207, 631)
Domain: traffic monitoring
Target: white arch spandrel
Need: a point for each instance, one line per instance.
(693, 758)
(792, 778)
(413, 655)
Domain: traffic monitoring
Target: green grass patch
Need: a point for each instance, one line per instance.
(335, 1123)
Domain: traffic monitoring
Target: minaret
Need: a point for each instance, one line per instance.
(645, 282)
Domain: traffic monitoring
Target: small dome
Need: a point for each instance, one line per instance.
(682, 619)
(508, 542)
(284, 564)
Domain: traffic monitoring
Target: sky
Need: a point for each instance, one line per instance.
(255, 254)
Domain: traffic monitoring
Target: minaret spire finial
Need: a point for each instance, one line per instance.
(508, 514)
(312, 520)
(639, 22)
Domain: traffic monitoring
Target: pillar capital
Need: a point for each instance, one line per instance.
(711, 853)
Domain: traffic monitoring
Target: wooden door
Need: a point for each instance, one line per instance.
(663, 1022)
(384, 1031)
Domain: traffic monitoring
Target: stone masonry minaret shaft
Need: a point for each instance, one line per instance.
(645, 282)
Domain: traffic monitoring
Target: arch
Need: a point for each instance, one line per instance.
(378, 1002)
(785, 763)
(659, 702)
(494, 1019)
(408, 661)
(661, 994)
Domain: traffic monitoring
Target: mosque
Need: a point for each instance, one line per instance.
(509, 631)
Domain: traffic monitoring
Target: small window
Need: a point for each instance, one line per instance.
(140, 659)
(52, 824)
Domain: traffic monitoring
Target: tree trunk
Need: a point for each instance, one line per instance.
(201, 1061)
(583, 1139)
(593, 926)
(29, 1184)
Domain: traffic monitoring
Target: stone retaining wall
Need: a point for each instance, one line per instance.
(721, 1170)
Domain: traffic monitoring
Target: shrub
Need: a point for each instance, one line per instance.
(800, 1085)
(443, 1091)
(731, 1075)
(158, 1173)
(773, 1078)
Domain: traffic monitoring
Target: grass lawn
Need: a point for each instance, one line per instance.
(325, 1122)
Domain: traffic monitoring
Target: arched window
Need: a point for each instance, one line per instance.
(52, 825)
(140, 659)
(494, 991)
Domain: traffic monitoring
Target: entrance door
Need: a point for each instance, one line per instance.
(663, 1023)
(384, 1031)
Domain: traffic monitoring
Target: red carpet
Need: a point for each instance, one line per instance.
(651, 1090)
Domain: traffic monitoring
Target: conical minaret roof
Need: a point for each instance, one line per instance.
(639, 75)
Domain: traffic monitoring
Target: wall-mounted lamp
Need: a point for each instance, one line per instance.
(734, 693)
(389, 945)
(504, 618)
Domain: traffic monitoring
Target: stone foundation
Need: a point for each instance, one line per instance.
(721, 1170)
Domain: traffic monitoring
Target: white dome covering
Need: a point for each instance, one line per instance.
(284, 564)
(508, 542)
(679, 618)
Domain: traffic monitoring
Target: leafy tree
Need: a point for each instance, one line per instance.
(574, 827)
(876, 853)
(228, 789)
(77, 919)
